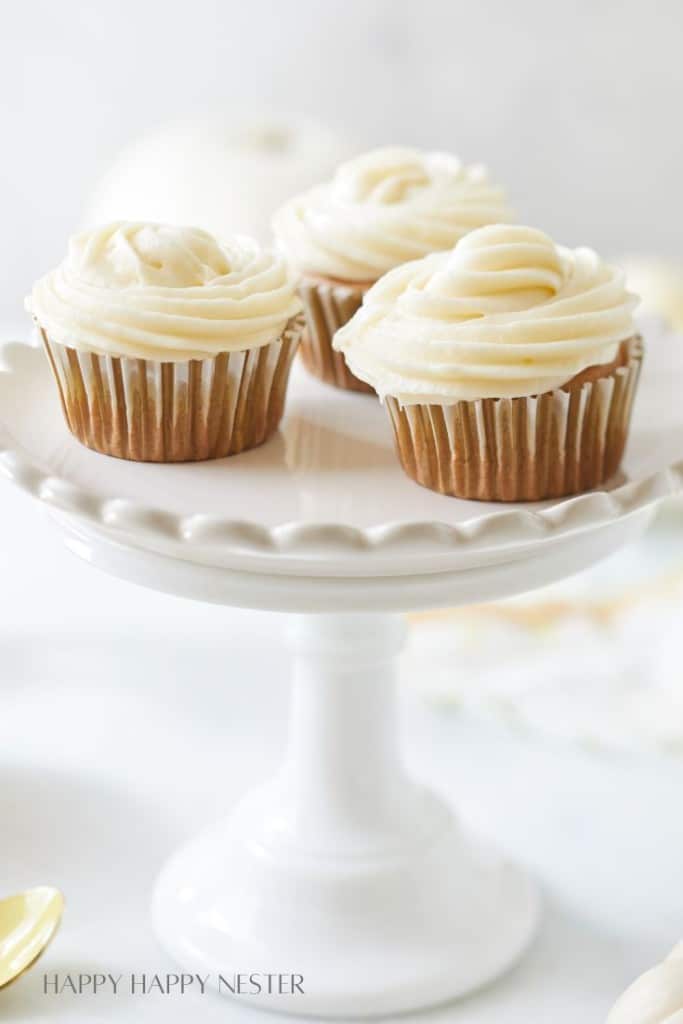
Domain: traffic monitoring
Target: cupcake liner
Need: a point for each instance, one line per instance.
(328, 306)
(151, 411)
(521, 449)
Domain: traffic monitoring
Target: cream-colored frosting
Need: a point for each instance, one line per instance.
(164, 292)
(656, 997)
(506, 313)
(384, 208)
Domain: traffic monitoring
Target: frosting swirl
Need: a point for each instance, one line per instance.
(656, 997)
(164, 292)
(506, 313)
(384, 208)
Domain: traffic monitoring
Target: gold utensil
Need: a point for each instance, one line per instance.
(28, 922)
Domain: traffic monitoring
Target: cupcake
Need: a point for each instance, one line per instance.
(167, 345)
(508, 365)
(380, 210)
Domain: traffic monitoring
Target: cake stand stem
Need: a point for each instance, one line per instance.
(343, 778)
(342, 870)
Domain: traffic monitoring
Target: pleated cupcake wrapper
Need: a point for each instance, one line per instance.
(151, 411)
(520, 449)
(328, 307)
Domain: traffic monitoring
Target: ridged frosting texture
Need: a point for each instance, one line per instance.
(384, 208)
(164, 292)
(507, 313)
(656, 997)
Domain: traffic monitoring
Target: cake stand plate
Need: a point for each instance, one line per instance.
(343, 887)
(326, 496)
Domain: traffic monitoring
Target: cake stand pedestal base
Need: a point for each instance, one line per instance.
(342, 869)
(342, 876)
(351, 886)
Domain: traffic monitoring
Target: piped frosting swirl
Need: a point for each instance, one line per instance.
(384, 208)
(656, 997)
(506, 313)
(164, 292)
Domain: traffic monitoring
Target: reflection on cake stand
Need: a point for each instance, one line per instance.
(342, 869)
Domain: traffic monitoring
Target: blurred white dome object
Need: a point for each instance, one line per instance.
(223, 174)
(659, 283)
(656, 997)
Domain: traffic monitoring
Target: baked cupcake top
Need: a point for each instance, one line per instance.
(384, 208)
(506, 313)
(157, 291)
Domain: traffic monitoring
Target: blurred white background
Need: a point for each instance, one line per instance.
(575, 107)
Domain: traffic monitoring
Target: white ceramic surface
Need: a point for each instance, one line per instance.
(341, 868)
(533, 567)
(326, 496)
(202, 701)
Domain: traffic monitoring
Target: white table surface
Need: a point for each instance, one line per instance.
(128, 719)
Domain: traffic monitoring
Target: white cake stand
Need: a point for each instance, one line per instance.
(342, 870)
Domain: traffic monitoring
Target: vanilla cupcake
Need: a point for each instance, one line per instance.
(380, 210)
(508, 365)
(167, 345)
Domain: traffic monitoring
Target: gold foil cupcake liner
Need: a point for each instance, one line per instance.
(551, 445)
(328, 306)
(151, 411)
